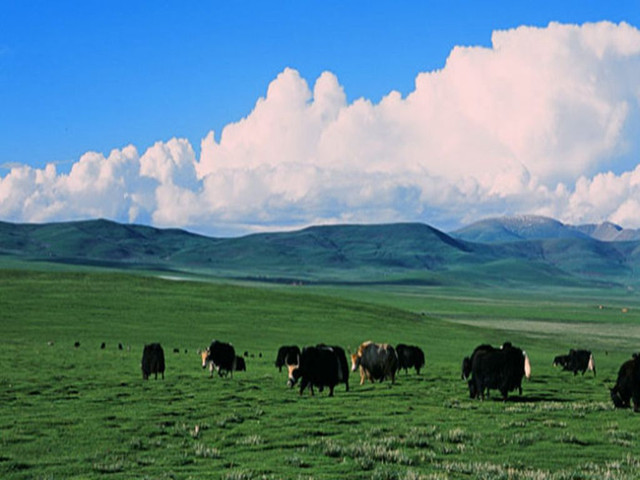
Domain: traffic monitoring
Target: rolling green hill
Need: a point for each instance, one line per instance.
(393, 253)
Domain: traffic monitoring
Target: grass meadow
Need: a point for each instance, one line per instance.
(85, 412)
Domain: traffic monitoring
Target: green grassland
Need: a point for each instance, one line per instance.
(85, 412)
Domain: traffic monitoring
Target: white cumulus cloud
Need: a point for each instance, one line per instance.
(536, 123)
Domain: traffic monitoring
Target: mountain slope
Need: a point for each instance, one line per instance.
(534, 227)
(401, 245)
(511, 229)
(341, 253)
(609, 232)
(100, 240)
(352, 246)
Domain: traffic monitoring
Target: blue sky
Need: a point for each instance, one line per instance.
(78, 77)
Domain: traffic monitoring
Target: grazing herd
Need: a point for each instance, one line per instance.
(501, 369)
(628, 384)
(487, 368)
(376, 361)
(287, 355)
(410, 357)
(221, 357)
(576, 361)
(152, 361)
(319, 366)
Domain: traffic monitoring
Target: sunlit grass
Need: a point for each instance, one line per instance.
(111, 423)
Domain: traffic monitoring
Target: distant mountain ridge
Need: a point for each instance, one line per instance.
(532, 250)
(535, 227)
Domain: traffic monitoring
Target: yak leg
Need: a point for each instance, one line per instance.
(303, 385)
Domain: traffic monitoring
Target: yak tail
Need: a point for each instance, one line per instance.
(592, 365)
(527, 366)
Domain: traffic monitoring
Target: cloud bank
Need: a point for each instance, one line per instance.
(546, 121)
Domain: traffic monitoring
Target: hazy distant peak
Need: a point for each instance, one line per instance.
(520, 227)
(607, 232)
(530, 222)
(536, 227)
